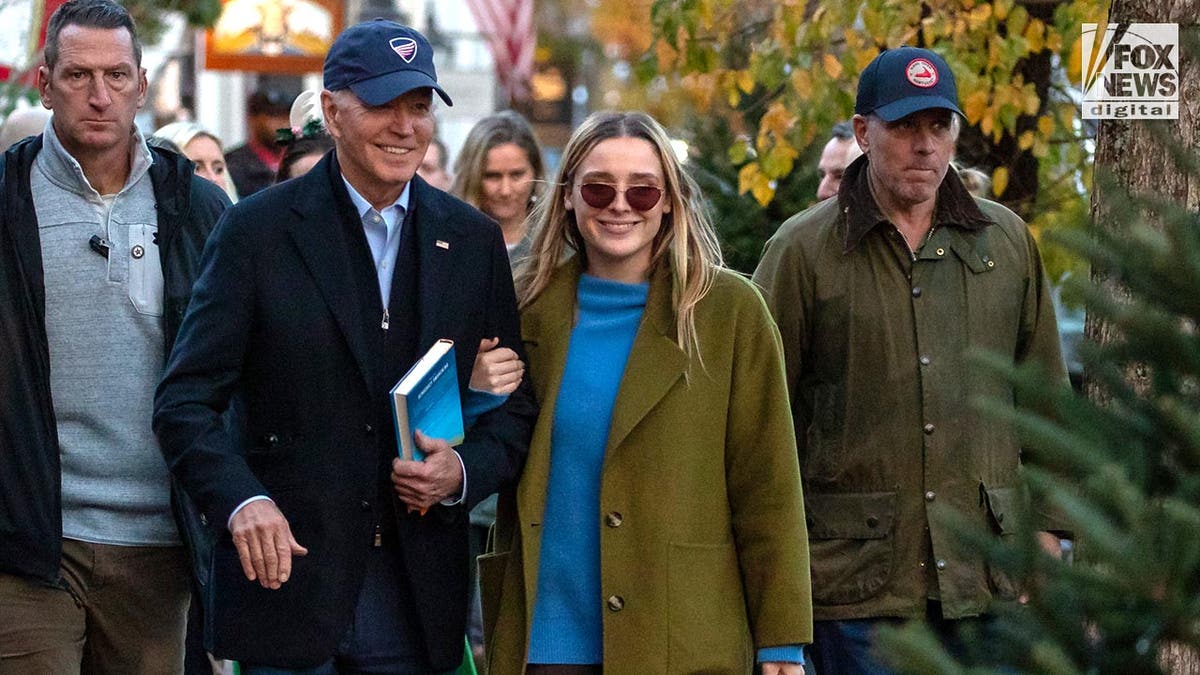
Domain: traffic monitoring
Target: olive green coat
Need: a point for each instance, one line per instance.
(702, 543)
(883, 392)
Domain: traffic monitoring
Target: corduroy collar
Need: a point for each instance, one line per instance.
(955, 206)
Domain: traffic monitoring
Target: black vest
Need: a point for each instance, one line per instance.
(393, 350)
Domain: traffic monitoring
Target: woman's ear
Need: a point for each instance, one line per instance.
(568, 204)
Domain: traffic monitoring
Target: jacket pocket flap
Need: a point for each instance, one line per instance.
(1004, 507)
(860, 515)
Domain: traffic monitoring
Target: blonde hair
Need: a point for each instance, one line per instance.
(180, 134)
(686, 242)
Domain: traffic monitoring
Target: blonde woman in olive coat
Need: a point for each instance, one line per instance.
(659, 524)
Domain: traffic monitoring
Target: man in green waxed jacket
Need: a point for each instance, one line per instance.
(881, 293)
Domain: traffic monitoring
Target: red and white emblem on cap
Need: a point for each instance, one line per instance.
(921, 72)
(406, 47)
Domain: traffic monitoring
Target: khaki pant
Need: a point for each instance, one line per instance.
(123, 611)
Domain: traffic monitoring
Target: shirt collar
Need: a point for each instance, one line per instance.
(362, 206)
(64, 170)
(955, 206)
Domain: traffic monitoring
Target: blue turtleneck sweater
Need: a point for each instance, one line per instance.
(567, 611)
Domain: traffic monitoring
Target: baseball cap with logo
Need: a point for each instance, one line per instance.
(899, 82)
(380, 60)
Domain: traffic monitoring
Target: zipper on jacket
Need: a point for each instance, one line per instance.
(386, 321)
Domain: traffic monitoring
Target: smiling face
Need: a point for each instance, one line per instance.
(908, 157)
(506, 184)
(618, 239)
(379, 147)
(94, 91)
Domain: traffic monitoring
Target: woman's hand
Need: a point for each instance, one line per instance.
(497, 370)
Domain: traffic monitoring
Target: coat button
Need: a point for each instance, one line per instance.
(928, 428)
(941, 564)
(203, 519)
(872, 522)
(930, 496)
(613, 519)
(616, 603)
(916, 291)
(364, 505)
(925, 360)
(368, 428)
(271, 439)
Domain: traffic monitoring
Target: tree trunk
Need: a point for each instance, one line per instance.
(1132, 153)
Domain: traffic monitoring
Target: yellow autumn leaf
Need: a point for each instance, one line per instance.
(762, 191)
(1045, 125)
(1075, 63)
(975, 105)
(802, 82)
(745, 81)
(1054, 40)
(986, 122)
(746, 177)
(979, 16)
(863, 57)
(854, 39)
(700, 87)
(833, 67)
(1025, 141)
(1032, 102)
(1035, 33)
(999, 180)
(1000, 8)
(777, 120)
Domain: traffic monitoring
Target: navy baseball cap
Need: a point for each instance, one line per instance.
(899, 82)
(380, 60)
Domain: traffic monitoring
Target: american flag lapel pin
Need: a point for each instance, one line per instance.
(441, 243)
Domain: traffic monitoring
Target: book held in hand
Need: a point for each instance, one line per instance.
(426, 399)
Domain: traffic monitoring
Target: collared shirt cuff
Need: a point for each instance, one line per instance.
(453, 501)
(782, 654)
(229, 523)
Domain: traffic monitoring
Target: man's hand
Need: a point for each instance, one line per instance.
(1051, 544)
(779, 668)
(497, 370)
(264, 543)
(420, 485)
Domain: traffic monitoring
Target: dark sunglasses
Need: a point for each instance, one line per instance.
(639, 197)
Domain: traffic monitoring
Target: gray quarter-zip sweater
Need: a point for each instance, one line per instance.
(105, 332)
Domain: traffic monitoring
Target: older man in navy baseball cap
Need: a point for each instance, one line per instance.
(880, 296)
(316, 296)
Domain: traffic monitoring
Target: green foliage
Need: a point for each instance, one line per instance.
(743, 223)
(783, 72)
(149, 14)
(1124, 475)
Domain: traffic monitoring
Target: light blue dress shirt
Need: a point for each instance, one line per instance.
(383, 230)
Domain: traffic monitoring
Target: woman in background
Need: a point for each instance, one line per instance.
(498, 171)
(658, 525)
(302, 153)
(204, 149)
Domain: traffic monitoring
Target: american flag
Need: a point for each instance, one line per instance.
(508, 27)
